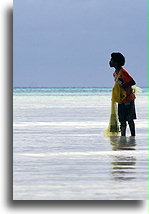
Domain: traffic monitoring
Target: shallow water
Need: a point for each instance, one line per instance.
(60, 152)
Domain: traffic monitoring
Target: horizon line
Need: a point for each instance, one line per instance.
(69, 87)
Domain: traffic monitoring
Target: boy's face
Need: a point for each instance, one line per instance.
(112, 63)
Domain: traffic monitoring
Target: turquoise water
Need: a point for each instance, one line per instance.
(67, 91)
(42, 89)
(60, 152)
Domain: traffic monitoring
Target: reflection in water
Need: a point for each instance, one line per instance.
(123, 143)
(123, 164)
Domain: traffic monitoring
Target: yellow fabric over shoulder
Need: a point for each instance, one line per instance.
(118, 95)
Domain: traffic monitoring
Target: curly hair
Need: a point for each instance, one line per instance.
(118, 58)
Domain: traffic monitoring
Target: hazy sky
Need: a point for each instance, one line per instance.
(68, 43)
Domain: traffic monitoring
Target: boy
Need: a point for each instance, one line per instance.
(126, 108)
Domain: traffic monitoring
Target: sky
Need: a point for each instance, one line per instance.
(68, 43)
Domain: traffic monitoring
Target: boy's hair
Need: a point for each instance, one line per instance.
(118, 58)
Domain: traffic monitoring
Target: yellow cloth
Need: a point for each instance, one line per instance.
(113, 128)
(118, 94)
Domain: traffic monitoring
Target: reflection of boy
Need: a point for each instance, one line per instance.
(126, 108)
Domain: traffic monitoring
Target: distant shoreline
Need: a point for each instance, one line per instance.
(24, 87)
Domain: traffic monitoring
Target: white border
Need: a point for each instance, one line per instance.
(7, 207)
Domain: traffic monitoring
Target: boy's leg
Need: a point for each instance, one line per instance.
(132, 127)
(123, 128)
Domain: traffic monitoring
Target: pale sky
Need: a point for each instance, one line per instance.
(68, 43)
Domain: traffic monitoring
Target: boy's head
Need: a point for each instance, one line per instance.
(117, 59)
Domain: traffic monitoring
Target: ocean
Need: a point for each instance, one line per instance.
(60, 151)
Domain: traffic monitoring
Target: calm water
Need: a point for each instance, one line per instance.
(60, 152)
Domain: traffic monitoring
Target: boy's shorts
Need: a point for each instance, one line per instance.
(126, 111)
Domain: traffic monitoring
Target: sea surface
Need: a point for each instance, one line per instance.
(60, 151)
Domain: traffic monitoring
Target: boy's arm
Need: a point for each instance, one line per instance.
(126, 80)
(128, 84)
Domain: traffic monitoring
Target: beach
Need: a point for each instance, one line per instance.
(60, 151)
